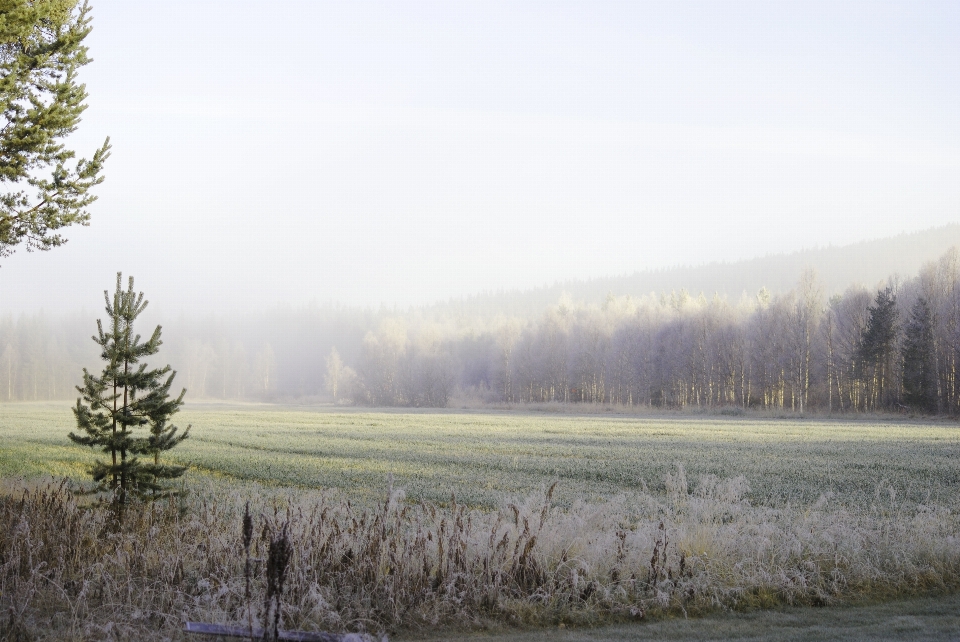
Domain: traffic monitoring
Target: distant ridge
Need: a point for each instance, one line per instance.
(868, 263)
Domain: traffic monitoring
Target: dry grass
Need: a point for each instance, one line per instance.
(68, 572)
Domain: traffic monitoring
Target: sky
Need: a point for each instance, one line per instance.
(401, 153)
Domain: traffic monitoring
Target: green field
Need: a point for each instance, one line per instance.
(740, 514)
(484, 457)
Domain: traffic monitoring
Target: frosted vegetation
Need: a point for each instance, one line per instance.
(484, 457)
(404, 522)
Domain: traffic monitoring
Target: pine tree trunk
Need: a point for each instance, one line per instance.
(113, 450)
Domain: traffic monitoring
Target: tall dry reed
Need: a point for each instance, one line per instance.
(69, 572)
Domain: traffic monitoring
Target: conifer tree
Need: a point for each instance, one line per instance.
(126, 410)
(876, 348)
(919, 385)
(41, 101)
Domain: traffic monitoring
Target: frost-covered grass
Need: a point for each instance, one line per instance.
(485, 457)
(649, 517)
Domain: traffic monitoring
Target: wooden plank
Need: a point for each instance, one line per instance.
(292, 636)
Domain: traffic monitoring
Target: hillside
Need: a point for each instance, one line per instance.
(868, 263)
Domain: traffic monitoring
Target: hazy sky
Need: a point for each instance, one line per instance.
(404, 152)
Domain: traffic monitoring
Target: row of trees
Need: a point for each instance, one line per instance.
(893, 348)
(885, 348)
(40, 356)
(255, 356)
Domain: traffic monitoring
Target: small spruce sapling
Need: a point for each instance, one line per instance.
(124, 401)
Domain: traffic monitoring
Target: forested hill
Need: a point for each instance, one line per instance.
(868, 263)
(863, 331)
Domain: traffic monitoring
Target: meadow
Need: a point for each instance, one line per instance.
(408, 521)
(485, 457)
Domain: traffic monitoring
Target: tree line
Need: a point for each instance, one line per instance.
(261, 356)
(894, 347)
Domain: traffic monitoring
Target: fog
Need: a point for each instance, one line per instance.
(385, 154)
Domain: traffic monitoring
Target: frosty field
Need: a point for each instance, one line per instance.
(414, 523)
(485, 457)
